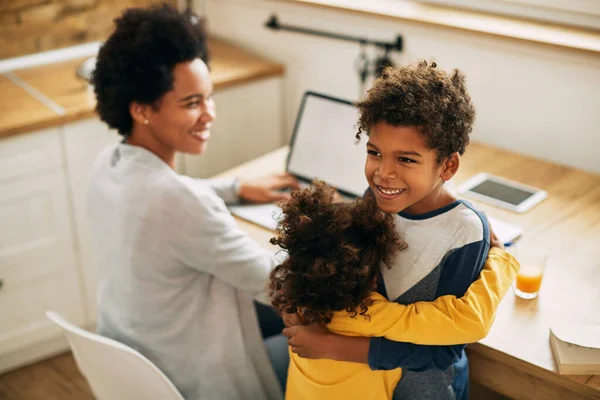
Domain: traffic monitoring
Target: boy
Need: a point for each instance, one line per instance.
(334, 252)
(418, 120)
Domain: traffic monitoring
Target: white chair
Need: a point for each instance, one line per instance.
(113, 370)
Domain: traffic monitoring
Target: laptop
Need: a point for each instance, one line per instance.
(322, 147)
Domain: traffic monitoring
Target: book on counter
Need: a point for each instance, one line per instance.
(576, 348)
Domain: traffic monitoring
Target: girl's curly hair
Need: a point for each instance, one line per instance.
(421, 95)
(334, 253)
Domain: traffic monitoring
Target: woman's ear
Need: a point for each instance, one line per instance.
(450, 166)
(140, 112)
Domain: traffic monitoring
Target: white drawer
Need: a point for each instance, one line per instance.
(22, 309)
(35, 228)
(30, 152)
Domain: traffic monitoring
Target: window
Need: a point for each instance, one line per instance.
(581, 13)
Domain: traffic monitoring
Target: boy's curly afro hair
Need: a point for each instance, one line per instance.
(421, 95)
(137, 60)
(334, 254)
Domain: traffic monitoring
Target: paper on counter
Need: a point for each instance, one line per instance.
(506, 232)
(578, 334)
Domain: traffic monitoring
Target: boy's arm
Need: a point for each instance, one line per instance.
(313, 342)
(447, 320)
(461, 267)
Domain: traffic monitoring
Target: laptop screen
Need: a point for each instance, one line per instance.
(324, 147)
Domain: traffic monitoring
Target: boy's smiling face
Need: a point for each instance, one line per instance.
(403, 172)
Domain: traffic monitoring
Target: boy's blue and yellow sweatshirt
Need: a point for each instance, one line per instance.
(447, 249)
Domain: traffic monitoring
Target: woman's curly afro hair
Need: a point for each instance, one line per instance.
(334, 254)
(423, 96)
(137, 60)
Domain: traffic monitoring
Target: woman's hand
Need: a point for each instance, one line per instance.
(267, 189)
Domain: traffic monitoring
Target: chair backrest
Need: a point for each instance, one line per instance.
(114, 370)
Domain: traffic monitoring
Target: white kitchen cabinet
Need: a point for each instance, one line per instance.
(25, 154)
(37, 259)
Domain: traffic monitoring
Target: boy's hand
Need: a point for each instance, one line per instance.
(267, 189)
(316, 341)
(494, 241)
(291, 319)
(309, 341)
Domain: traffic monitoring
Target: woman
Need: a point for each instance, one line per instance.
(178, 275)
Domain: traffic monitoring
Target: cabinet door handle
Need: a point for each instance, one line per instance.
(1, 283)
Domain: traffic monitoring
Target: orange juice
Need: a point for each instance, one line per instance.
(529, 279)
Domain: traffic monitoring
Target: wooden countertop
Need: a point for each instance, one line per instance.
(567, 226)
(21, 111)
(18, 108)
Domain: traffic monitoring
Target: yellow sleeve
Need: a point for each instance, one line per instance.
(447, 320)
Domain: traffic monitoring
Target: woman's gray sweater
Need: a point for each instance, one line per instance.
(177, 276)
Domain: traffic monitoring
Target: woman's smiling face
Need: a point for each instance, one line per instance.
(182, 119)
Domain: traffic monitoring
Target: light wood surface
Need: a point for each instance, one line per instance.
(523, 382)
(18, 107)
(57, 378)
(562, 36)
(230, 66)
(59, 83)
(566, 226)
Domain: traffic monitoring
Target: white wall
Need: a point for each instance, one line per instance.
(532, 99)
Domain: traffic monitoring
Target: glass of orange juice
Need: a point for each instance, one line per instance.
(529, 279)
